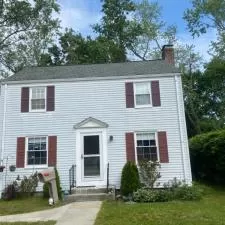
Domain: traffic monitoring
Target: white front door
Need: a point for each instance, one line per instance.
(91, 158)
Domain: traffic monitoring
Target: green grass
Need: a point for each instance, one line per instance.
(28, 223)
(23, 205)
(208, 211)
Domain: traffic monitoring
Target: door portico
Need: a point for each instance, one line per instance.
(91, 153)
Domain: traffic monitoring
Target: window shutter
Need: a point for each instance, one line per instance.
(130, 147)
(25, 99)
(155, 93)
(20, 152)
(163, 147)
(52, 150)
(51, 98)
(129, 95)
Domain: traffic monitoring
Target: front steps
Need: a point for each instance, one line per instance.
(82, 194)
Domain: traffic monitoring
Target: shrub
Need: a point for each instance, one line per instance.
(28, 186)
(151, 195)
(173, 190)
(130, 179)
(9, 192)
(149, 172)
(59, 189)
(187, 193)
(208, 157)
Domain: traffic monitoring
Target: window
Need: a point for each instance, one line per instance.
(142, 94)
(37, 151)
(146, 146)
(38, 98)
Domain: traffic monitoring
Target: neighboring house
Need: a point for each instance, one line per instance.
(92, 116)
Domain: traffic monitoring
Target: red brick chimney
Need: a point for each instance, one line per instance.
(168, 54)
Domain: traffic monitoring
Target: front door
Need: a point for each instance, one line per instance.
(91, 156)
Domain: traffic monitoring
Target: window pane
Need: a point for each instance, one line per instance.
(144, 151)
(92, 166)
(142, 88)
(91, 145)
(38, 103)
(143, 99)
(37, 153)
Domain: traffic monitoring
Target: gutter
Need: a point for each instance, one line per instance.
(4, 122)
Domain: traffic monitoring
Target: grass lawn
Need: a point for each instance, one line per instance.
(209, 211)
(23, 205)
(29, 223)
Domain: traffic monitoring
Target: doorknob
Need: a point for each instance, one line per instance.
(82, 156)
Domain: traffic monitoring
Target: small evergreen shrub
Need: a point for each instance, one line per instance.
(187, 193)
(130, 179)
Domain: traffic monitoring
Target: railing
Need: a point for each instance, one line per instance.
(107, 177)
(72, 177)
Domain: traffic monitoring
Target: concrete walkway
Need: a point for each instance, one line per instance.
(82, 213)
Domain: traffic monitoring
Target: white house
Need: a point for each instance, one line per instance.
(94, 117)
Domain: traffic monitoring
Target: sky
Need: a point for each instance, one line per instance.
(80, 14)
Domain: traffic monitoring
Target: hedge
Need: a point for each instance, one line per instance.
(207, 152)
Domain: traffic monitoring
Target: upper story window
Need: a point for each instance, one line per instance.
(146, 146)
(38, 98)
(143, 94)
(36, 151)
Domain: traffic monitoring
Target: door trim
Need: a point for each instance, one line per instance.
(98, 181)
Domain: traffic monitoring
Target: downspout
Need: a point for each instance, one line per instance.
(4, 122)
(180, 128)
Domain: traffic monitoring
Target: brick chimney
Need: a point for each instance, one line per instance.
(168, 54)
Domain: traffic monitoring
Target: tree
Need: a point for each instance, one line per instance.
(26, 29)
(115, 24)
(205, 15)
(153, 32)
(74, 49)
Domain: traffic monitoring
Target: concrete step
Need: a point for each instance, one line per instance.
(89, 197)
(88, 190)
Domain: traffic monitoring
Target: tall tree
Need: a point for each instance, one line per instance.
(115, 24)
(26, 29)
(153, 31)
(205, 15)
(73, 49)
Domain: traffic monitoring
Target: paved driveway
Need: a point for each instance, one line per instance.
(81, 213)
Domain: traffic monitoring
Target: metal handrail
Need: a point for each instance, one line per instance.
(72, 177)
(107, 177)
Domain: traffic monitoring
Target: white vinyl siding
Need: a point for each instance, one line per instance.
(104, 100)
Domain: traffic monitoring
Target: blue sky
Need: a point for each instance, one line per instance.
(80, 14)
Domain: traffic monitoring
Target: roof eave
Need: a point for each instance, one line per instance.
(91, 78)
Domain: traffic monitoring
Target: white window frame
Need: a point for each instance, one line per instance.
(26, 153)
(156, 142)
(30, 99)
(150, 93)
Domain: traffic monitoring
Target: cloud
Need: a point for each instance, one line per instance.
(202, 43)
(78, 16)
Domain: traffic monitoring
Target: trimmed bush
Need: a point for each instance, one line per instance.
(207, 152)
(130, 179)
(9, 192)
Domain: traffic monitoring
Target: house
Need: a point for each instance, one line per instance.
(95, 117)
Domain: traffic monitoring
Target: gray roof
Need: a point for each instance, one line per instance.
(94, 70)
